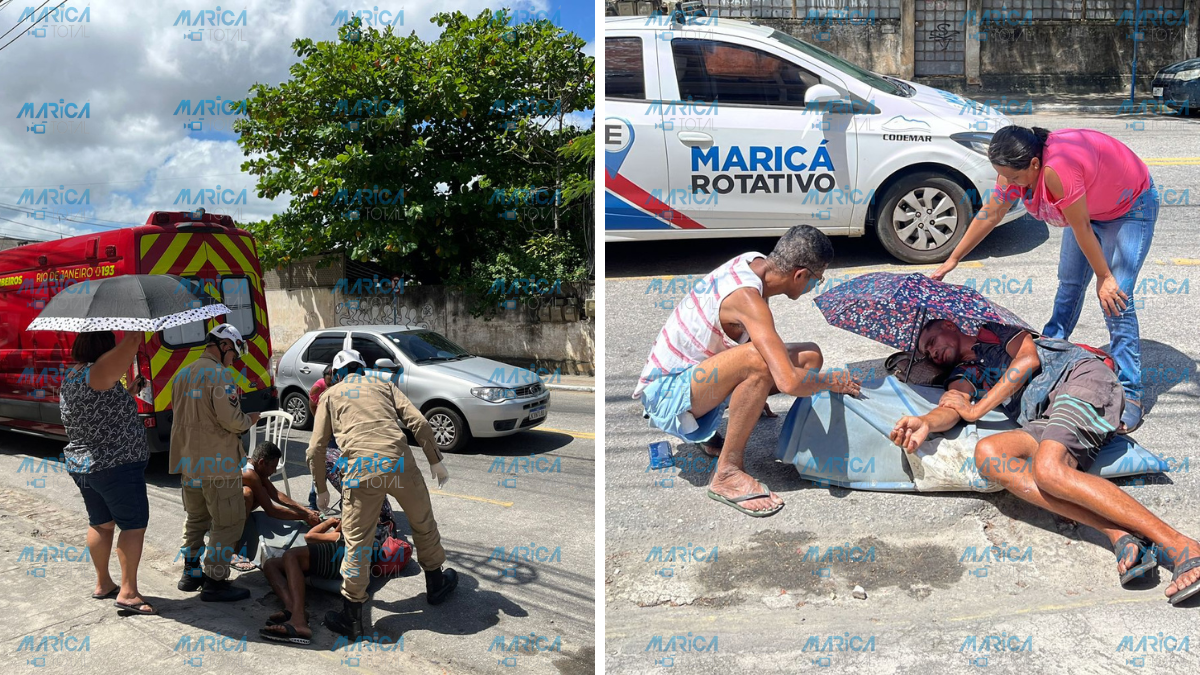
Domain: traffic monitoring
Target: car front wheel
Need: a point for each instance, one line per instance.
(450, 430)
(923, 218)
(296, 404)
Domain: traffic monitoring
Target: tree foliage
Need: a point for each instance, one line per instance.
(467, 126)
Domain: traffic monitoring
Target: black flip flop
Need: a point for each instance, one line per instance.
(1188, 591)
(287, 616)
(292, 636)
(109, 595)
(135, 607)
(735, 502)
(1147, 555)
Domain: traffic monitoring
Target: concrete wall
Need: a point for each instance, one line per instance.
(1046, 56)
(557, 332)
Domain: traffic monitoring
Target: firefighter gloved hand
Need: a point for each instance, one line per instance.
(442, 474)
(323, 501)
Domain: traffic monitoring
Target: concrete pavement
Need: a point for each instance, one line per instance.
(926, 608)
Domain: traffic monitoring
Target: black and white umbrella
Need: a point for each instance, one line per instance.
(134, 302)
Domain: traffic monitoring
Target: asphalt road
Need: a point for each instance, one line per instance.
(1063, 611)
(479, 510)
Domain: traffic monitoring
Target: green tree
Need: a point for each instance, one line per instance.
(467, 127)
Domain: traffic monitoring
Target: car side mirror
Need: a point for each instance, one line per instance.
(386, 364)
(825, 97)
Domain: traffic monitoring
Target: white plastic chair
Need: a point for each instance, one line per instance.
(276, 427)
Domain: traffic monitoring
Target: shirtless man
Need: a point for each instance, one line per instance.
(720, 349)
(258, 489)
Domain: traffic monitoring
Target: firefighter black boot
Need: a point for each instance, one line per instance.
(347, 622)
(193, 578)
(222, 591)
(438, 584)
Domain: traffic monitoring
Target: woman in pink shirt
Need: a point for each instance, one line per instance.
(1101, 192)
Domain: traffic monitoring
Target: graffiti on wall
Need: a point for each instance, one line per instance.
(381, 309)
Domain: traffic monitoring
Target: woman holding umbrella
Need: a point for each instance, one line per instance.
(106, 453)
(106, 456)
(1097, 188)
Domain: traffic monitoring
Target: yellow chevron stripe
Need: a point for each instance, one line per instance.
(169, 256)
(225, 241)
(216, 259)
(147, 241)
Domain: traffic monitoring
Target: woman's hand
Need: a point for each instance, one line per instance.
(944, 269)
(967, 411)
(1112, 299)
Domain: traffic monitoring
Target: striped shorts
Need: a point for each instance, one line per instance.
(1084, 412)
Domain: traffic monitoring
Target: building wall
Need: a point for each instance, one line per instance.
(1046, 56)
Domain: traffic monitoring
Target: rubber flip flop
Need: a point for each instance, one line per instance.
(735, 502)
(1147, 554)
(1130, 419)
(287, 616)
(1188, 591)
(109, 595)
(135, 607)
(243, 564)
(292, 636)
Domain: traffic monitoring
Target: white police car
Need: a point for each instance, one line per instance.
(723, 128)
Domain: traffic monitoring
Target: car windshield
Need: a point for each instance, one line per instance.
(426, 346)
(864, 76)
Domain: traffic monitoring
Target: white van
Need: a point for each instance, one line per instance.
(723, 128)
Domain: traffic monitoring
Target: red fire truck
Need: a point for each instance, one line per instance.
(206, 249)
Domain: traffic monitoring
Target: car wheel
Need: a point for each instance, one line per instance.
(296, 404)
(923, 218)
(450, 430)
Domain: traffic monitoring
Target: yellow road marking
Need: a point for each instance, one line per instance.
(576, 434)
(472, 498)
(1172, 161)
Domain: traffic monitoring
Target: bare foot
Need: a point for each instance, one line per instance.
(1130, 555)
(104, 589)
(302, 629)
(1178, 557)
(738, 483)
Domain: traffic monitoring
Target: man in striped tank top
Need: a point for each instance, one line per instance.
(720, 349)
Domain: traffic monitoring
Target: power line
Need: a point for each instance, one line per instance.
(36, 22)
(67, 217)
(41, 229)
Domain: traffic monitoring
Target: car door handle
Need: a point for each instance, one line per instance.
(694, 138)
(305, 370)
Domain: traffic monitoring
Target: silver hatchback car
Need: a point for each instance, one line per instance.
(462, 395)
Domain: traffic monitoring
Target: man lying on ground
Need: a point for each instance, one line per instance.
(321, 558)
(1068, 402)
(719, 348)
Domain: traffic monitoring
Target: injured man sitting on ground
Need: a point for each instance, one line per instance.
(1068, 403)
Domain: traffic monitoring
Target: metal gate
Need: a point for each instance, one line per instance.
(941, 37)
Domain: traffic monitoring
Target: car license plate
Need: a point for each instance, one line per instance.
(1158, 92)
(537, 413)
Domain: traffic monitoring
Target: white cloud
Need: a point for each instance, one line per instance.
(132, 65)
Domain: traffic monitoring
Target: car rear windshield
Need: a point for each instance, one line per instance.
(426, 346)
(864, 76)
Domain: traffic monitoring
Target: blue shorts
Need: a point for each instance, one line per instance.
(668, 402)
(116, 494)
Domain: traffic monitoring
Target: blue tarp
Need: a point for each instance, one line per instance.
(840, 440)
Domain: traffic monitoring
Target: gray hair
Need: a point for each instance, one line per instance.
(802, 246)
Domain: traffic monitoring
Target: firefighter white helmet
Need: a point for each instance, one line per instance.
(228, 332)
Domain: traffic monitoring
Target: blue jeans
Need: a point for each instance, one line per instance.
(1125, 243)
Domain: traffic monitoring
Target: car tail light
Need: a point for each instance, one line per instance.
(149, 422)
(162, 218)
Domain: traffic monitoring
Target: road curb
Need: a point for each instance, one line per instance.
(569, 387)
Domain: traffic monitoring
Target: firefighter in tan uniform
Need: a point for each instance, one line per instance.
(206, 448)
(369, 414)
